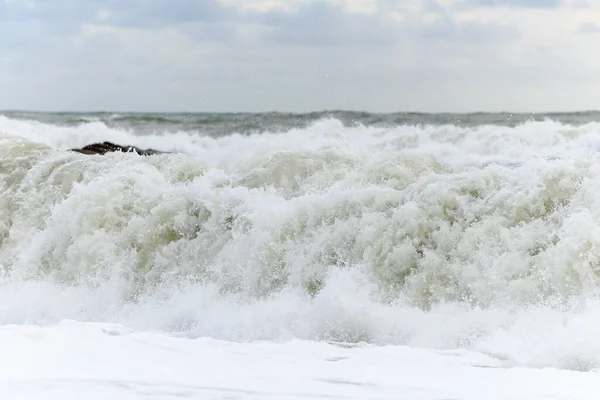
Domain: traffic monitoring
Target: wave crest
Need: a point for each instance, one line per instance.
(435, 236)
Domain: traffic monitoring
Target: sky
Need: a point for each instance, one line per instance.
(300, 55)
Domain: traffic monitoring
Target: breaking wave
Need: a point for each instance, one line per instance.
(436, 236)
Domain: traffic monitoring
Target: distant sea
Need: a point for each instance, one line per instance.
(219, 124)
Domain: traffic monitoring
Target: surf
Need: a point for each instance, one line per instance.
(435, 236)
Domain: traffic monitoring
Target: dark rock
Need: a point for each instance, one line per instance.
(108, 147)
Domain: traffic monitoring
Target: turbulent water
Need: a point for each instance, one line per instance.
(477, 233)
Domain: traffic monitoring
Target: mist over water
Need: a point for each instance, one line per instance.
(430, 231)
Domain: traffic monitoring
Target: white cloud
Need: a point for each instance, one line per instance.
(361, 6)
(264, 6)
(268, 6)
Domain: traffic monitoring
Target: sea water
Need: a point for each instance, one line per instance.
(291, 256)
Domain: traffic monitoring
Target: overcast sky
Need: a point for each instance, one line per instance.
(300, 55)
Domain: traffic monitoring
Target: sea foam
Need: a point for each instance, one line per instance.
(445, 237)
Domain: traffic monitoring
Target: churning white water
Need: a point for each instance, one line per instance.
(240, 263)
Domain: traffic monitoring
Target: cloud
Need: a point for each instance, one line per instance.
(160, 13)
(323, 24)
(143, 13)
(516, 3)
(298, 55)
(589, 27)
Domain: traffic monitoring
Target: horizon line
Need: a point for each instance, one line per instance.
(33, 111)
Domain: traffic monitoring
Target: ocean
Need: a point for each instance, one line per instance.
(330, 255)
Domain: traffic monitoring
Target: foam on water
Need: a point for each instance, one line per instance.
(484, 238)
(99, 361)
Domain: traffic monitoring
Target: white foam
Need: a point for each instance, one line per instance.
(100, 361)
(438, 237)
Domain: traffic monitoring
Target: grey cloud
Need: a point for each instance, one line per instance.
(447, 30)
(320, 24)
(183, 54)
(323, 24)
(21, 34)
(58, 17)
(158, 13)
(589, 27)
(516, 3)
(65, 16)
(29, 26)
